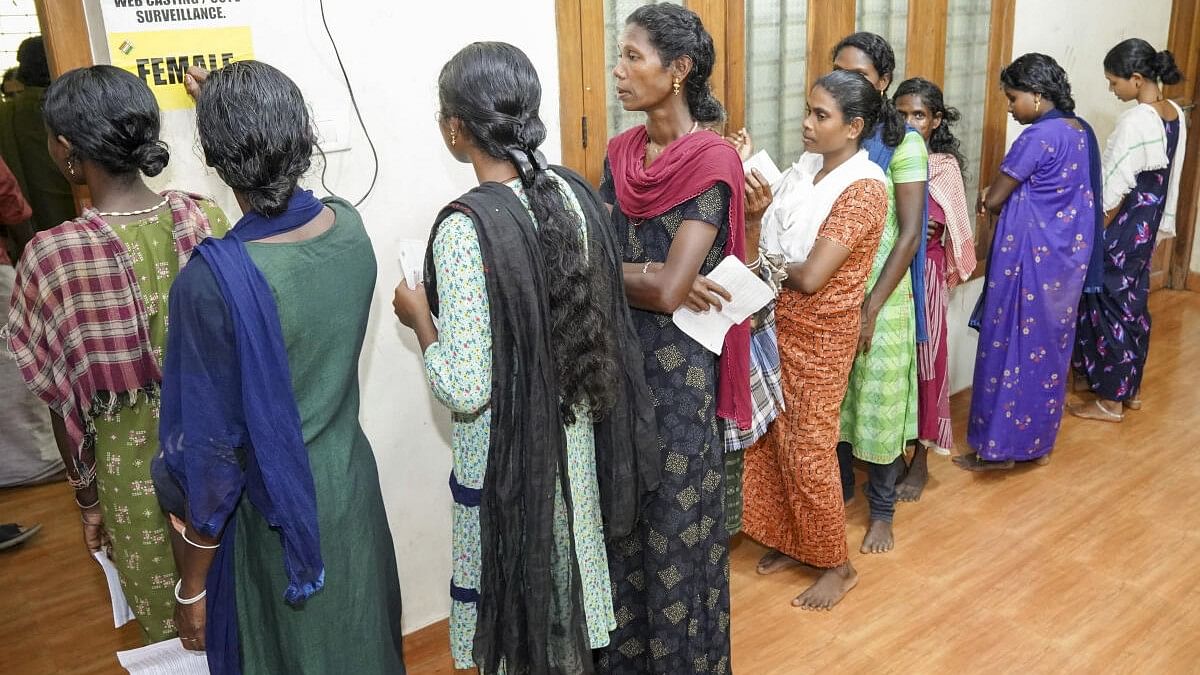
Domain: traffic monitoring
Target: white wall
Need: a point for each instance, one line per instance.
(393, 52)
(1077, 33)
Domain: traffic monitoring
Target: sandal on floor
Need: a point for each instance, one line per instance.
(1095, 410)
(973, 462)
(1134, 403)
(12, 534)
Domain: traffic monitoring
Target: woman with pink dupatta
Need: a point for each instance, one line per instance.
(676, 191)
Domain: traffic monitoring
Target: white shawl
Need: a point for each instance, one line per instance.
(799, 208)
(1139, 143)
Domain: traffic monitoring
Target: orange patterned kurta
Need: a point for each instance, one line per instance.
(792, 488)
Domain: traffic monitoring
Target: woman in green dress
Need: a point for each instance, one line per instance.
(879, 413)
(525, 277)
(89, 322)
(288, 563)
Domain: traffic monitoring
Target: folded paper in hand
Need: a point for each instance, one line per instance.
(762, 161)
(412, 262)
(120, 606)
(163, 658)
(749, 294)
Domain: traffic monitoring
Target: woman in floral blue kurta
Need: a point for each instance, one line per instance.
(459, 367)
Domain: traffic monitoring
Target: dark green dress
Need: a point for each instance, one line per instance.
(23, 147)
(323, 288)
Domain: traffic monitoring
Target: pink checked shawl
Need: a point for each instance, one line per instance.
(77, 325)
(946, 188)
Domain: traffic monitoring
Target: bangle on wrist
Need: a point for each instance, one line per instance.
(188, 601)
(207, 548)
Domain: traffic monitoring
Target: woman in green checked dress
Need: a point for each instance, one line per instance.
(103, 394)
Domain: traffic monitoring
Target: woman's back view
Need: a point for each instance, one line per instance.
(261, 399)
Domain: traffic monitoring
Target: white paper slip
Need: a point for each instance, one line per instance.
(412, 261)
(120, 606)
(163, 658)
(762, 161)
(749, 294)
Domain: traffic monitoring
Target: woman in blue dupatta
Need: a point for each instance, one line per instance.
(879, 413)
(1043, 248)
(261, 401)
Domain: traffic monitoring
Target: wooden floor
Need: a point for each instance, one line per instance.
(1088, 565)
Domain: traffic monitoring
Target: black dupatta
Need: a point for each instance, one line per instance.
(524, 621)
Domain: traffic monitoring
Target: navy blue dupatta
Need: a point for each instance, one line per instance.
(230, 424)
(1094, 279)
(881, 153)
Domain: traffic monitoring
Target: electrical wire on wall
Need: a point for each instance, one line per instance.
(357, 113)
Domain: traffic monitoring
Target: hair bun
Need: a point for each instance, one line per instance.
(152, 157)
(1166, 69)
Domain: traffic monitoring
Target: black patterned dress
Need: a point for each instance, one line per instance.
(1112, 340)
(671, 577)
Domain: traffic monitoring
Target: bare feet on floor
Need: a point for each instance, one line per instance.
(879, 538)
(910, 489)
(829, 588)
(774, 561)
(973, 462)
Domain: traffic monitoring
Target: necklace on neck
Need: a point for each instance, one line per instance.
(122, 214)
(652, 144)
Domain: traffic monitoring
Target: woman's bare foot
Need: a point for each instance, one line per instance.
(879, 538)
(1134, 403)
(910, 489)
(1043, 460)
(829, 589)
(973, 462)
(773, 562)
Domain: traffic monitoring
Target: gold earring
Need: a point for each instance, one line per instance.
(675, 87)
(453, 137)
(1037, 103)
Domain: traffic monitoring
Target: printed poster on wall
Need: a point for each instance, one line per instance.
(158, 40)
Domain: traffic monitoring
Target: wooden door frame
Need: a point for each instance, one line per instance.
(68, 46)
(925, 48)
(65, 31)
(1184, 43)
(995, 118)
(838, 19)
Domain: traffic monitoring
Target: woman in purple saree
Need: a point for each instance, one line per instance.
(1041, 254)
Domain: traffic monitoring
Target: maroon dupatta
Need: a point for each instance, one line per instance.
(685, 169)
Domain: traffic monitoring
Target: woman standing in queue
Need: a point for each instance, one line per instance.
(88, 323)
(676, 191)
(1044, 254)
(288, 563)
(949, 259)
(535, 355)
(879, 413)
(826, 227)
(1142, 167)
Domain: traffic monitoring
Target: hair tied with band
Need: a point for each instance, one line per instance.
(528, 162)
